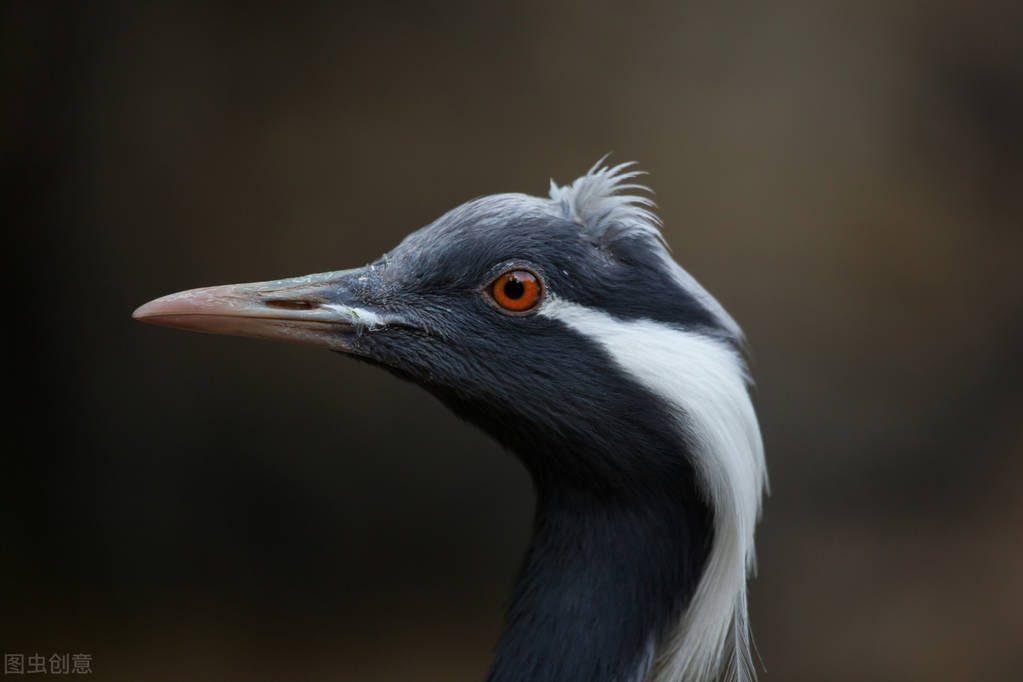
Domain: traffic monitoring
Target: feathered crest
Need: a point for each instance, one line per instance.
(596, 203)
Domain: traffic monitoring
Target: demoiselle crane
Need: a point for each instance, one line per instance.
(562, 327)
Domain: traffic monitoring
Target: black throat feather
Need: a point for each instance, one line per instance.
(621, 535)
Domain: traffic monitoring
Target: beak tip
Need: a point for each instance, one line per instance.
(167, 307)
(147, 311)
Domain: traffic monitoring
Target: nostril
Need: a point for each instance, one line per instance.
(289, 304)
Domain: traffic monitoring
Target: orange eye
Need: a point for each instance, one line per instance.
(516, 290)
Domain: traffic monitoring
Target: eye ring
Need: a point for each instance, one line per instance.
(516, 290)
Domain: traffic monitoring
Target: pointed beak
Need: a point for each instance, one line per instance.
(315, 309)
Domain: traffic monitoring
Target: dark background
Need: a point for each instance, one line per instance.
(846, 177)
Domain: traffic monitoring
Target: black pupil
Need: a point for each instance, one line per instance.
(514, 288)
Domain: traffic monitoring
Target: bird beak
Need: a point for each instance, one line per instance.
(309, 309)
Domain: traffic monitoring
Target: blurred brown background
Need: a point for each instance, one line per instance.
(847, 177)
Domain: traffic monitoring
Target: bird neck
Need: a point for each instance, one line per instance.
(606, 577)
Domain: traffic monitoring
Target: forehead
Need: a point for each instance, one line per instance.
(487, 231)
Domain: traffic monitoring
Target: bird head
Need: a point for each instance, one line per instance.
(469, 307)
(562, 326)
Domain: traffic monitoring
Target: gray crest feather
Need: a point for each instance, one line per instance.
(601, 203)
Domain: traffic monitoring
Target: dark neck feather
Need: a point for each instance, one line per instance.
(606, 577)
